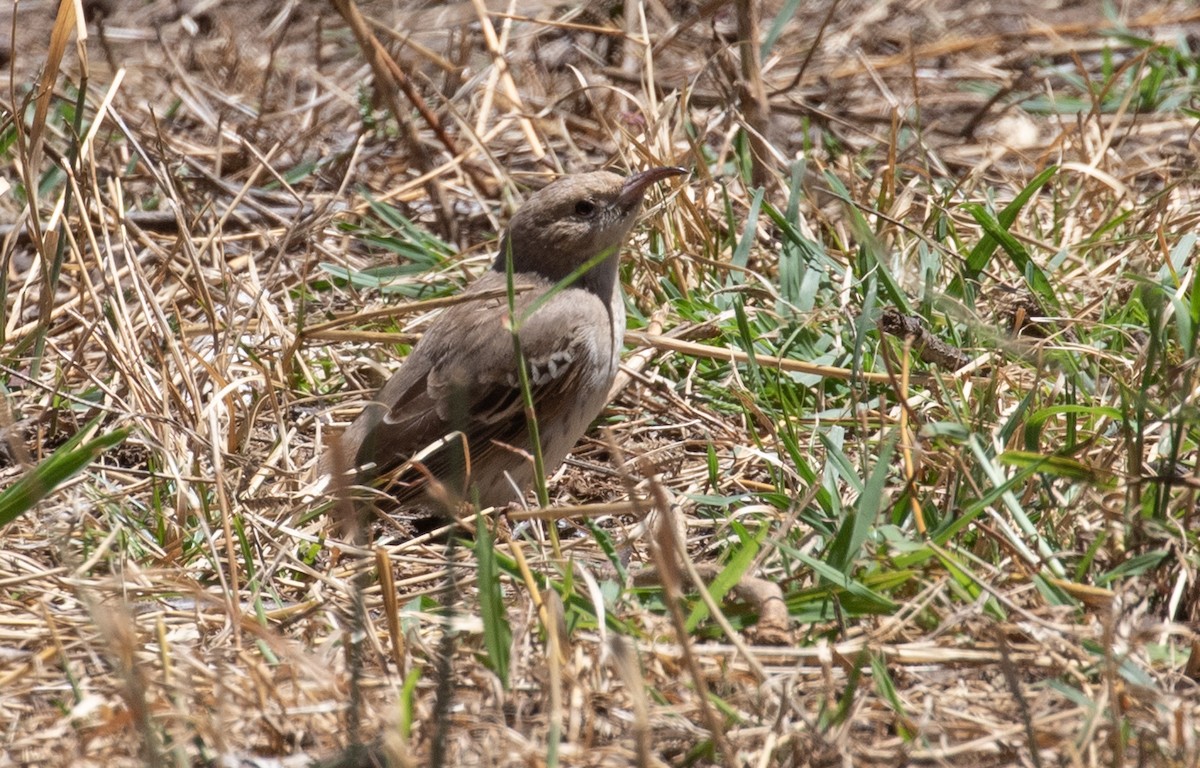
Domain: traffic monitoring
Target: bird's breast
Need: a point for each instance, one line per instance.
(593, 390)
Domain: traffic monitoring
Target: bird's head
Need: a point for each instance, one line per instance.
(575, 219)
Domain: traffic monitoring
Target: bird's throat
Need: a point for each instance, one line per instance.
(602, 278)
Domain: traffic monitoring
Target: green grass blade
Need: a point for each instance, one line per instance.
(497, 635)
(1059, 466)
(854, 530)
(1035, 278)
(740, 561)
(70, 459)
(741, 253)
(871, 600)
(1017, 513)
(981, 254)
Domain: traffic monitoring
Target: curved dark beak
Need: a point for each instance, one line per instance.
(635, 186)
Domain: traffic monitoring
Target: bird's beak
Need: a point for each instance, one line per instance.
(635, 185)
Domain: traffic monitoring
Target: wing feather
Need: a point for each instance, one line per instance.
(463, 377)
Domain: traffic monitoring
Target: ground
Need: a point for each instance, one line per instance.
(909, 385)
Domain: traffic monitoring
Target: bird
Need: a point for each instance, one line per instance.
(461, 382)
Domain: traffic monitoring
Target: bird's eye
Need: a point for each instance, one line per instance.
(585, 208)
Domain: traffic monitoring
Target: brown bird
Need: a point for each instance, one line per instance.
(462, 378)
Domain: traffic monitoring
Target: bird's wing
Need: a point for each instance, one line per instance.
(463, 377)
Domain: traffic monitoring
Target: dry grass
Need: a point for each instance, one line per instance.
(234, 236)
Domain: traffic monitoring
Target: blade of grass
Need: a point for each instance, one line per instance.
(1017, 513)
(742, 557)
(855, 528)
(1033, 275)
(70, 459)
(497, 634)
(981, 254)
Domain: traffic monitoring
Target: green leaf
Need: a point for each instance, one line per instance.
(1060, 466)
(1187, 316)
(845, 702)
(747, 338)
(394, 279)
(962, 575)
(63, 464)
(1033, 425)
(429, 248)
(981, 254)
(856, 527)
(872, 601)
(887, 691)
(1028, 531)
(741, 253)
(1134, 566)
(1035, 278)
(777, 26)
(408, 700)
(497, 635)
(742, 557)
